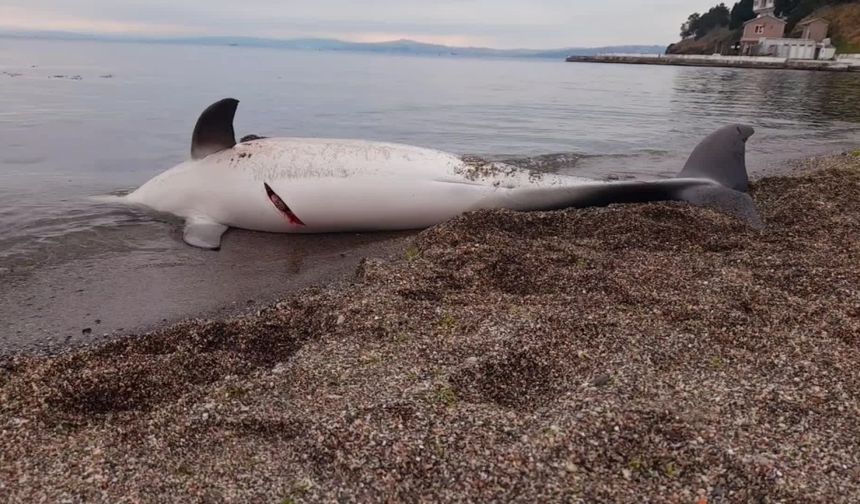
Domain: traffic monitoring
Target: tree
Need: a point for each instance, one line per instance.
(741, 13)
(784, 7)
(689, 28)
(717, 17)
(794, 11)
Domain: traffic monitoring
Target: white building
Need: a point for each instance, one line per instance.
(764, 35)
(793, 48)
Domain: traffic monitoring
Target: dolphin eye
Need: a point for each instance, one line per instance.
(282, 206)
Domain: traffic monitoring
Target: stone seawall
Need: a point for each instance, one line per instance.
(841, 65)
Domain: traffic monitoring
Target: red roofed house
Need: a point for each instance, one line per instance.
(764, 36)
(764, 25)
(815, 29)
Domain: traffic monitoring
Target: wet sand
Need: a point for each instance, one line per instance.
(64, 304)
(659, 353)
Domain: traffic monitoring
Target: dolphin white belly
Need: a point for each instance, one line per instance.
(300, 185)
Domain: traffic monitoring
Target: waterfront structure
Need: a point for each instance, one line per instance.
(764, 25)
(813, 44)
(843, 63)
(795, 48)
(764, 35)
(763, 7)
(815, 29)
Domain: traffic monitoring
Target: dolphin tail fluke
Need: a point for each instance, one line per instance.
(715, 176)
(721, 158)
(728, 201)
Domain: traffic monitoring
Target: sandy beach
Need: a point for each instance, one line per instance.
(635, 353)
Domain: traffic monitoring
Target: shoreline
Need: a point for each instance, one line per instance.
(144, 278)
(764, 63)
(655, 352)
(62, 306)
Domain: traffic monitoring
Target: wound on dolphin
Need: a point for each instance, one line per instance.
(282, 207)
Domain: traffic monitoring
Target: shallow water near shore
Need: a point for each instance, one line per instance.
(79, 119)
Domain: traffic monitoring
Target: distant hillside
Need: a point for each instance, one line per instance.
(719, 28)
(403, 47)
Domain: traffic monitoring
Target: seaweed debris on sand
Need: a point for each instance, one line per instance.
(657, 352)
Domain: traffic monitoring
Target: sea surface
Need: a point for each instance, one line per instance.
(79, 119)
(82, 119)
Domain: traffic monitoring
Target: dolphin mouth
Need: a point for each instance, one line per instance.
(282, 207)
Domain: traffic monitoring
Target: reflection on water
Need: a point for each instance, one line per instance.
(770, 97)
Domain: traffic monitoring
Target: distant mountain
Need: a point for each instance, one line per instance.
(403, 47)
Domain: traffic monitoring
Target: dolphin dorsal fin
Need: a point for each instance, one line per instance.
(214, 130)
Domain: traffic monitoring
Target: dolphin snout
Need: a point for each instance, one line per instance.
(745, 131)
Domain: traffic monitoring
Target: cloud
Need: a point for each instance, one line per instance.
(498, 23)
(14, 18)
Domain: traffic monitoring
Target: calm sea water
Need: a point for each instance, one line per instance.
(79, 119)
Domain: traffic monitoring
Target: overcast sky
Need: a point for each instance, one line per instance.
(492, 23)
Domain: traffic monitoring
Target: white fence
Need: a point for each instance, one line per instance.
(732, 59)
(788, 48)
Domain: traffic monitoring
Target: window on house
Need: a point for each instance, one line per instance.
(759, 29)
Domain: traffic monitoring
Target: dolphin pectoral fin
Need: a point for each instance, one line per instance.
(203, 233)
